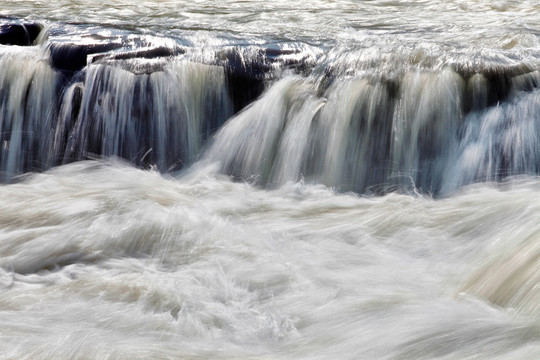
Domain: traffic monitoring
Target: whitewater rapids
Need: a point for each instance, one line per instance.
(103, 260)
(270, 180)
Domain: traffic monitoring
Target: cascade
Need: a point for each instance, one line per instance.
(299, 114)
(248, 179)
(433, 131)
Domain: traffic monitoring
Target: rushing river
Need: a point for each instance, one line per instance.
(269, 179)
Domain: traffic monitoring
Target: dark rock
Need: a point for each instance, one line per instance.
(150, 53)
(248, 69)
(73, 57)
(243, 89)
(133, 61)
(499, 82)
(22, 34)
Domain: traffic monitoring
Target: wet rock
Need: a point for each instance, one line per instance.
(140, 61)
(248, 69)
(74, 57)
(149, 53)
(17, 33)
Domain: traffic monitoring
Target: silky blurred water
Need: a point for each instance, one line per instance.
(100, 259)
(441, 31)
(337, 216)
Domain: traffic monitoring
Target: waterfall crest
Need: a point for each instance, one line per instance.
(338, 118)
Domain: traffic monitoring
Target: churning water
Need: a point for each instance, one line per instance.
(269, 179)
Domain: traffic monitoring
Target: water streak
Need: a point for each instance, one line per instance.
(433, 131)
(358, 180)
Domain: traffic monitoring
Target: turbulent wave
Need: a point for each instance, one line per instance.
(199, 266)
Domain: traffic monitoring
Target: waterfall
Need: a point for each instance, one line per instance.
(160, 118)
(242, 179)
(432, 131)
(355, 126)
(28, 111)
